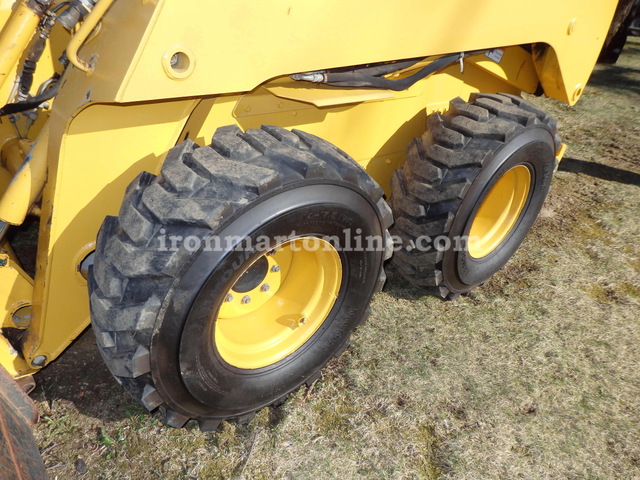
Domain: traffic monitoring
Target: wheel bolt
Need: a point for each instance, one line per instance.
(275, 269)
(303, 320)
(265, 287)
(229, 298)
(246, 299)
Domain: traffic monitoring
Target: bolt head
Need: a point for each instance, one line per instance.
(302, 321)
(275, 269)
(39, 361)
(246, 299)
(229, 298)
(265, 287)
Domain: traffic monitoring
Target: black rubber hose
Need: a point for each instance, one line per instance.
(372, 76)
(32, 103)
(26, 77)
(380, 69)
(360, 80)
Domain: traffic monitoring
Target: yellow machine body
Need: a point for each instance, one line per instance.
(147, 74)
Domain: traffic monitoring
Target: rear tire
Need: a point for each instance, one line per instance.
(240, 313)
(470, 190)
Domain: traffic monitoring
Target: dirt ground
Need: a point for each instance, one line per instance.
(536, 375)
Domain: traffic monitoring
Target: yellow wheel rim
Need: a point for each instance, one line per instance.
(499, 211)
(278, 303)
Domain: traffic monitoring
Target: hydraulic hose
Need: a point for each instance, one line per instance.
(32, 103)
(371, 77)
(33, 56)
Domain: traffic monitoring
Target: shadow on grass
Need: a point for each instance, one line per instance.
(598, 170)
(619, 78)
(80, 376)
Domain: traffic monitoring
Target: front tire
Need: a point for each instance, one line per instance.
(225, 284)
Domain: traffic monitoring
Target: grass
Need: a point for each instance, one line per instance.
(533, 376)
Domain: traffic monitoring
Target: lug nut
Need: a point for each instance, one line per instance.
(246, 299)
(275, 269)
(265, 287)
(229, 298)
(303, 320)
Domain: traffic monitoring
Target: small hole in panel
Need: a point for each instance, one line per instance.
(180, 63)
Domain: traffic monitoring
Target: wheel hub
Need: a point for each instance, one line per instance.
(499, 211)
(278, 303)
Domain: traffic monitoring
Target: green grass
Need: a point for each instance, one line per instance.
(533, 376)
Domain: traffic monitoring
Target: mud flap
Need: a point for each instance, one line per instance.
(19, 455)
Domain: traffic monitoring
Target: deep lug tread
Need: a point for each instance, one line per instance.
(447, 158)
(209, 425)
(287, 137)
(498, 129)
(175, 419)
(421, 170)
(439, 168)
(244, 419)
(137, 265)
(228, 142)
(133, 220)
(474, 112)
(239, 177)
(150, 398)
(382, 279)
(176, 174)
(185, 211)
(313, 378)
(507, 111)
(443, 135)
(430, 194)
(403, 201)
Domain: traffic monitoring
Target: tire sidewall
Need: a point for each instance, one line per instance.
(185, 364)
(533, 148)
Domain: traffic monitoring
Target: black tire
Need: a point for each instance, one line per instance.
(447, 175)
(154, 311)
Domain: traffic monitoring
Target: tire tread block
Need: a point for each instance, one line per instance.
(199, 188)
(441, 166)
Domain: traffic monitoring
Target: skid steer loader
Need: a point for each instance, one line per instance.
(217, 185)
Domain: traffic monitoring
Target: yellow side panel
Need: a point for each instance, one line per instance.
(104, 149)
(235, 46)
(323, 96)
